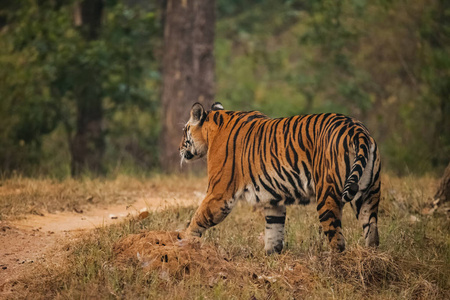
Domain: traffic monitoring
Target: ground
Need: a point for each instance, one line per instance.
(86, 239)
(42, 238)
(38, 238)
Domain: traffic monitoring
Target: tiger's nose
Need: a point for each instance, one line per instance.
(188, 155)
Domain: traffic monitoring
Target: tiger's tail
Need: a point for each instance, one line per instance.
(360, 174)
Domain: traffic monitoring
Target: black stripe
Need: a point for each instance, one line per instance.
(300, 140)
(330, 234)
(326, 215)
(289, 200)
(275, 219)
(308, 136)
(336, 223)
(270, 190)
(233, 166)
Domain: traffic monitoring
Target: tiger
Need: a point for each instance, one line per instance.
(328, 158)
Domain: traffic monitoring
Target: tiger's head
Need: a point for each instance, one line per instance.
(193, 144)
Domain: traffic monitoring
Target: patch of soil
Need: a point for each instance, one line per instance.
(171, 253)
(23, 250)
(40, 239)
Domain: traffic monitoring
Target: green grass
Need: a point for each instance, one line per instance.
(412, 262)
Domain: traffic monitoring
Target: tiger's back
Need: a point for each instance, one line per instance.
(278, 162)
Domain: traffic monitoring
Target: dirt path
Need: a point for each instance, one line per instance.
(41, 239)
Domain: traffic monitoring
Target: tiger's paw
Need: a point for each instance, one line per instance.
(274, 249)
(337, 245)
(372, 239)
(189, 232)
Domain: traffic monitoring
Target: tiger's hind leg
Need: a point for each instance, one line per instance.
(274, 233)
(329, 207)
(366, 210)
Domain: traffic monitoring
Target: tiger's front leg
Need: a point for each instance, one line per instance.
(274, 234)
(211, 212)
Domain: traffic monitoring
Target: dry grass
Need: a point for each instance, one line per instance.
(20, 196)
(413, 261)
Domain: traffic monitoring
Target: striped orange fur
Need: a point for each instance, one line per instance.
(329, 158)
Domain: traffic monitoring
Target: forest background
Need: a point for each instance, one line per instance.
(385, 62)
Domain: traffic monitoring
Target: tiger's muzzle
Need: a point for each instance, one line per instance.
(188, 155)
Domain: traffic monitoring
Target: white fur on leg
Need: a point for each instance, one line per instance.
(274, 234)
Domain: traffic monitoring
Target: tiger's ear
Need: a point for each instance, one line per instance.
(197, 114)
(217, 106)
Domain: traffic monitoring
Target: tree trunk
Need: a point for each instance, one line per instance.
(443, 192)
(88, 145)
(188, 67)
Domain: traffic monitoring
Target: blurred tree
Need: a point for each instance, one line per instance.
(5, 7)
(443, 192)
(188, 67)
(384, 62)
(435, 58)
(89, 83)
(88, 145)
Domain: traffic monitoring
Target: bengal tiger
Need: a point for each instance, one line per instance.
(330, 158)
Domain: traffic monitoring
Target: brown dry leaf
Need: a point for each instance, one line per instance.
(143, 214)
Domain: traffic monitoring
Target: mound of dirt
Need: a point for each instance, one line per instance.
(170, 252)
(173, 255)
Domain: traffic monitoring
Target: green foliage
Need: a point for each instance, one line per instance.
(46, 66)
(435, 33)
(256, 63)
(384, 62)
